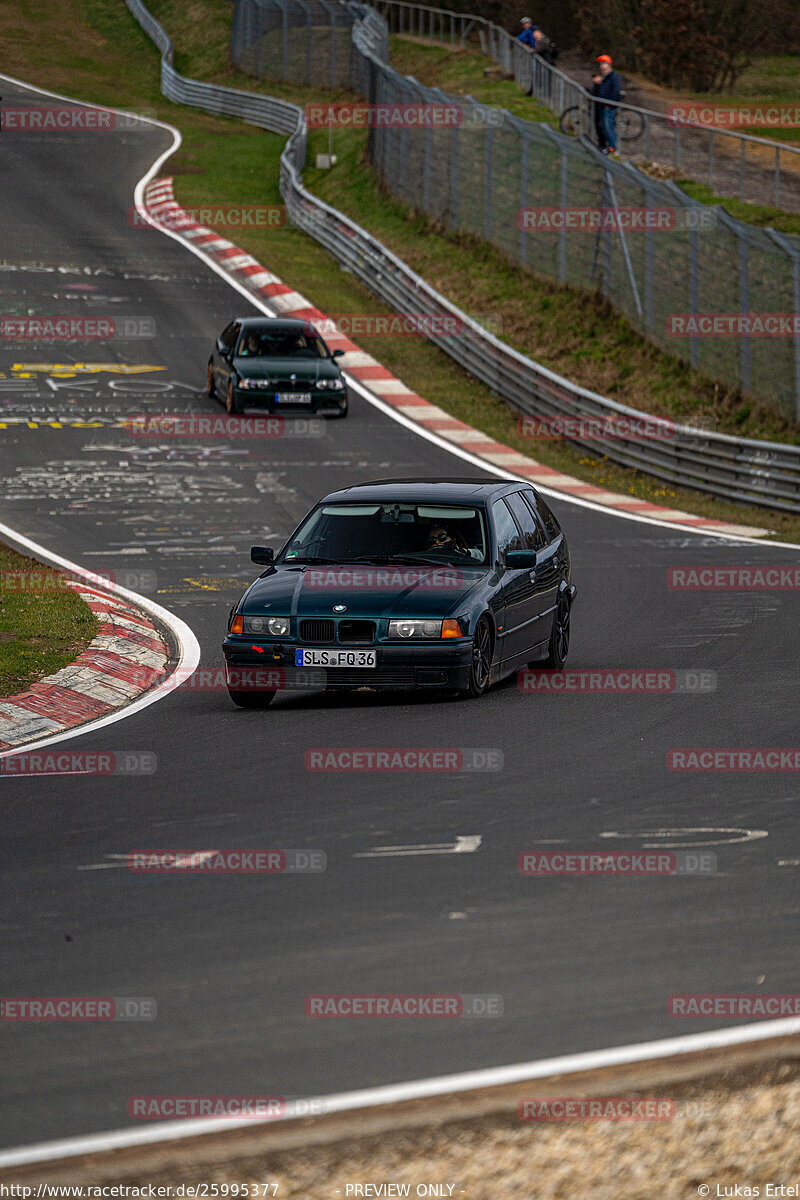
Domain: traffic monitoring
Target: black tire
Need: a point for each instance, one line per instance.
(570, 121)
(211, 391)
(630, 125)
(558, 647)
(480, 667)
(231, 403)
(251, 699)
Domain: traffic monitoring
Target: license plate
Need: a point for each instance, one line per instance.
(334, 658)
(293, 397)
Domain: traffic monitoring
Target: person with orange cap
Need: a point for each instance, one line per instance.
(609, 88)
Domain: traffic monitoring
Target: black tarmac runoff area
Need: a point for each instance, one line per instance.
(421, 893)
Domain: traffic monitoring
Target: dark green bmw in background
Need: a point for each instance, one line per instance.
(410, 583)
(276, 365)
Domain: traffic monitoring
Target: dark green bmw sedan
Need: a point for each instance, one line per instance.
(276, 365)
(409, 583)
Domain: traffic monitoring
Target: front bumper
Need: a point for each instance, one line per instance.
(443, 665)
(323, 403)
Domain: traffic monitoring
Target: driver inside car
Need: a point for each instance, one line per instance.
(441, 539)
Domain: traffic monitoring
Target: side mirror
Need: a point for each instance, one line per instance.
(338, 353)
(263, 555)
(521, 560)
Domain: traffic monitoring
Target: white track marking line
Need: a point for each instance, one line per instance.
(749, 835)
(462, 845)
(440, 1085)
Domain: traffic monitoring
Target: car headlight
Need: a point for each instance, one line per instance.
(415, 629)
(274, 626)
(335, 385)
(247, 383)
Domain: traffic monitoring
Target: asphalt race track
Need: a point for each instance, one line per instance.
(580, 963)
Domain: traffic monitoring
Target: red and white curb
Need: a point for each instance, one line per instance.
(126, 658)
(165, 211)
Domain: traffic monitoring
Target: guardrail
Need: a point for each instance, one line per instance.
(752, 472)
(715, 156)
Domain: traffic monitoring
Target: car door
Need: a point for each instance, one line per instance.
(553, 565)
(223, 356)
(544, 578)
(516, 590)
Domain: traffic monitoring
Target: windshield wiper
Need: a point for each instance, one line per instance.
(409, 559)
(309, 558)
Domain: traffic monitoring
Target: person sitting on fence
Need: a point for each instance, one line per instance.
(609, 88)
(541, 46)
(545, 46)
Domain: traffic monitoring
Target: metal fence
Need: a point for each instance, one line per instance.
(752, 168)
(515, 183)
(741, 469)
(300, 41)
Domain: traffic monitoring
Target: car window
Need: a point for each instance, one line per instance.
(532, 533)
(229, 336)
(351, 532)
(550, 523)
(280, 343)
(508, 536)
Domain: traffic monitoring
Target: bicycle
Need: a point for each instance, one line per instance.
(578, 121)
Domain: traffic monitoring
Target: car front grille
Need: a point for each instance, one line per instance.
(398, 677)
(323, 629)
(357, 631)
(317, 630)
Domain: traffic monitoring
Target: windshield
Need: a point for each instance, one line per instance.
(391, 532)
(280, 343)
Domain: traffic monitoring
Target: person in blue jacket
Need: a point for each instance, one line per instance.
(609, 88)
(526, 37)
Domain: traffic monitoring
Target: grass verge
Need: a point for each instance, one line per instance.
(44, 626)
(227, 162)
(753, 214)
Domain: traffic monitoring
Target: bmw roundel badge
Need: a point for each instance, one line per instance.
(340, 608)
